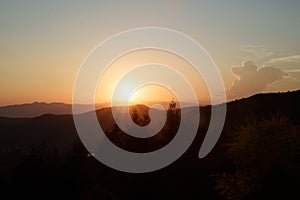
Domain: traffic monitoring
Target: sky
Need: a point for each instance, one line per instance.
(255, 44)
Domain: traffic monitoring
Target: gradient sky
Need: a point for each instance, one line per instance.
(43, 43)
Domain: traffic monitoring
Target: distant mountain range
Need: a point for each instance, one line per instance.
(36, 109)
(30, 110)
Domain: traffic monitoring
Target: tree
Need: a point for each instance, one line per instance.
(257, 150)
(173, 113)
(135, 116)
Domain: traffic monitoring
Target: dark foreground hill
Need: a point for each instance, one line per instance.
(43, 158)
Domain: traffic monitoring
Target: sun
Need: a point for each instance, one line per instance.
(129, 93)
(151, 94)
(123, 93)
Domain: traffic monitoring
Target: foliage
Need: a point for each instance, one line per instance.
(236, 186)
(264, 142)
(258, 148)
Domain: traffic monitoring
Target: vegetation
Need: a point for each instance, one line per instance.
(264, 167)
(260, 149)
(134, 144)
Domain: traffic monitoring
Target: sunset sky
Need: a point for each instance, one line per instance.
(43, 43)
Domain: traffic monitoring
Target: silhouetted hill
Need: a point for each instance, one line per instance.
(286, 103)
(81, 176)
(58, 130)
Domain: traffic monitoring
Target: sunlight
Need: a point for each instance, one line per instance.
(120, 67)
(127, 93)
(124, 92)
(151, 94)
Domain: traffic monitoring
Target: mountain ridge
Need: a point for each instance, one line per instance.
(36, 109)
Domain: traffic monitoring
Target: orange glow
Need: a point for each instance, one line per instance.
(148, 93)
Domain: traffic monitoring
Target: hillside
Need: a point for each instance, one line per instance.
(80, 174)
(59, 131)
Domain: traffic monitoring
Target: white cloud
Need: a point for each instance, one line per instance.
(256, 51)
(251, 79)
(294, 58)
(285, 62)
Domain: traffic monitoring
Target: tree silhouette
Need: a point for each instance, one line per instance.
(261, 150)
(135, 116)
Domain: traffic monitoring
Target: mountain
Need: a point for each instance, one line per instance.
(42, 155)
(36, 109)
(59, 130)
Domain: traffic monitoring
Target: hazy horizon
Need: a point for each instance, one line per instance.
(147, 103)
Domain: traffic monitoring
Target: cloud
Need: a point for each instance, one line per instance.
(287, 62)
(251, 79)
(294, 58)
(256, 51)
(292, 82)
